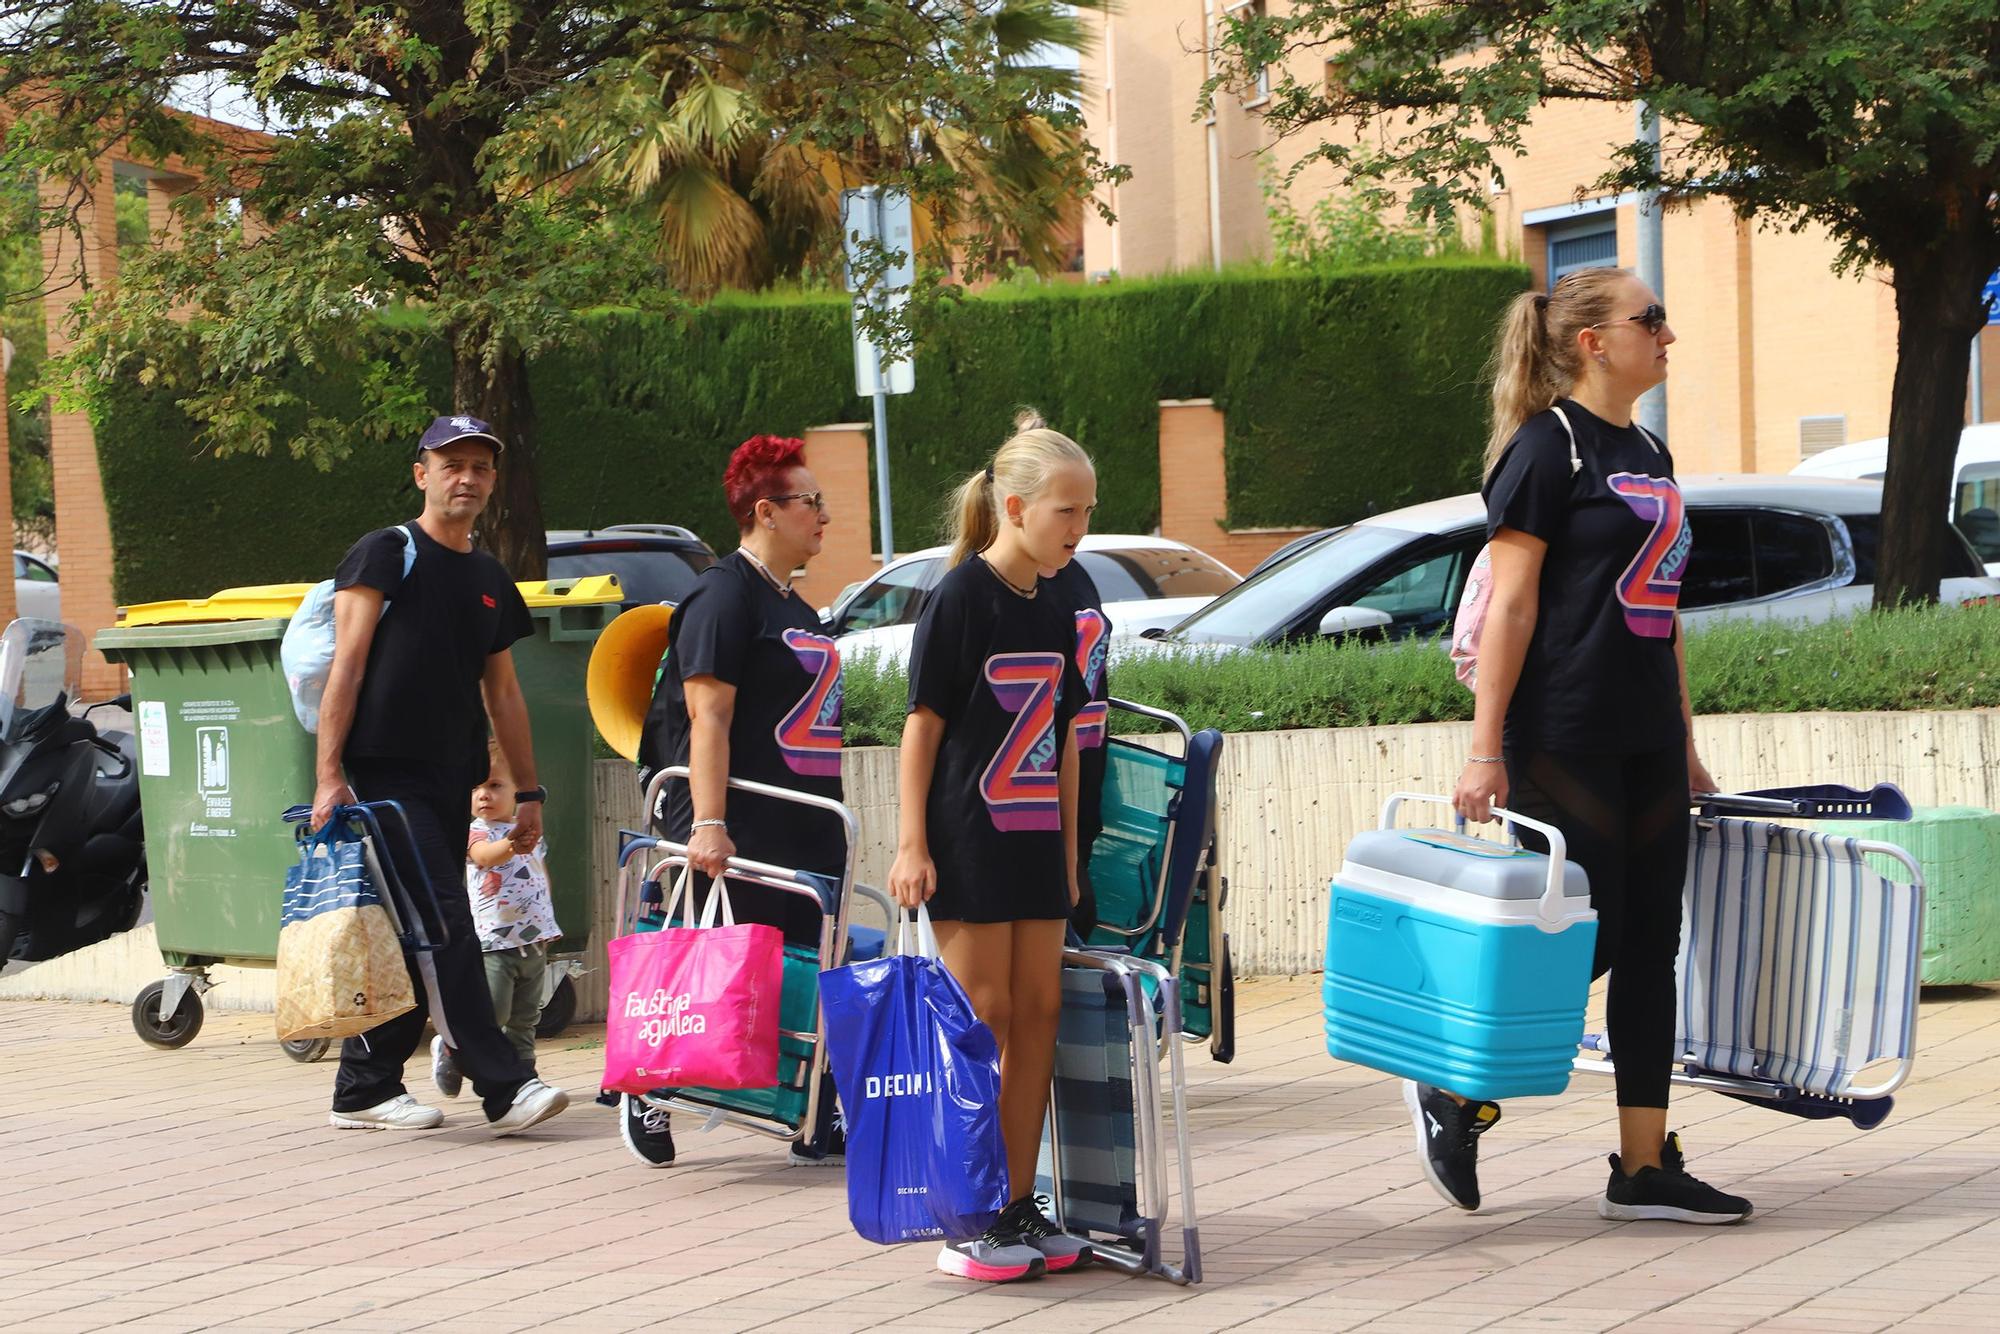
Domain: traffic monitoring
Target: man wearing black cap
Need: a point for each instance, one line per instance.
(404, 715)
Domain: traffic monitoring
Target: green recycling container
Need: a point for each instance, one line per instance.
(221, 756)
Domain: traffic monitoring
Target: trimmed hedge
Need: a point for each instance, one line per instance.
(1917, 658)
(1346, 394)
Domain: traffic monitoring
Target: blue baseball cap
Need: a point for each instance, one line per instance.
(449, 430)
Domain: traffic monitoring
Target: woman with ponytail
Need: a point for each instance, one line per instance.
(988, 820)
(1581, 715)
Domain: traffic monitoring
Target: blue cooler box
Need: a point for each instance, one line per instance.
(1457, 961)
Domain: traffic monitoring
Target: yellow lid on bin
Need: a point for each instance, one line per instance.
(256, 603)
(572, 592)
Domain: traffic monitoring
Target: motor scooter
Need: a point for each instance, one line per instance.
(72, 843)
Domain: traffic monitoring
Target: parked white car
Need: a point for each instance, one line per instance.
(36, 592)
(1975, 489)
(1147, 583)
(1796, 548)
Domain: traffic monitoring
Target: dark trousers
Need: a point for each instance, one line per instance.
(1626, 821)
(451, 981)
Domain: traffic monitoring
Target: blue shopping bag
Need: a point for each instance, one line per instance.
(919, 1081)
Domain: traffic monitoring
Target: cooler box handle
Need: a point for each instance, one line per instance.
(1549, 908)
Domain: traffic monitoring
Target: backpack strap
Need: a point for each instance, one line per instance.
(1575, 460)
(1652, 439)
(409, 547)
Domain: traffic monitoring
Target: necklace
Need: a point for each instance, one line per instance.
(1012, 587)
(765, 570)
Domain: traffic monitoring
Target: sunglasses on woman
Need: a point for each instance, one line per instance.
(818, 498)
(1653, 317)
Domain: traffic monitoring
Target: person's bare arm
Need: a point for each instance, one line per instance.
(508, 712)
(913, 877)
(711, 705)
(356, 611)
(490, 853)
(1699, 778)
(1503, 646)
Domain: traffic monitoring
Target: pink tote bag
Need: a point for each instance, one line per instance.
(695, 1006)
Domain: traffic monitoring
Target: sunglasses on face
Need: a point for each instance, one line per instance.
(1653, 317)
(818, 498)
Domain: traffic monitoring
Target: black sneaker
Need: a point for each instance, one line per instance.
(1448, 1134)
(1029, 1217)
(646, 1132)
(1668, 1193)
(832, 1153)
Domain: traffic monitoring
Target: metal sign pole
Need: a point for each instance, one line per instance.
(882, 476)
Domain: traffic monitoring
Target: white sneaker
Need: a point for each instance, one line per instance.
(401, 1112)
(534, 1103)
(444, 1070)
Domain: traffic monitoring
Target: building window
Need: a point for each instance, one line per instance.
(1584, 244)
(1259, 91)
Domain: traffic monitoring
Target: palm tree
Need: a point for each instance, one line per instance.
(690, 138)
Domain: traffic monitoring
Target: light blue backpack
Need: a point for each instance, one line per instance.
(307, 653)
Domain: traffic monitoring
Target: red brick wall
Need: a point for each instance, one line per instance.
(838, 457)
(1194, 489)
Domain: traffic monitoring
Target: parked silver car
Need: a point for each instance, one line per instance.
(1791, 547)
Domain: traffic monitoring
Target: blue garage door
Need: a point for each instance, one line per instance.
(1582, 248)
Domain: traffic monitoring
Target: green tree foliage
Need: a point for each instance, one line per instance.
(405, 181)
(21, 321)
(1878, 120)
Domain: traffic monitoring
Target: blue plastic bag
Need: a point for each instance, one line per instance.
(919, 1081)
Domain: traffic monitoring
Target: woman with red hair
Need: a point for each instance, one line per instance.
(751, 689)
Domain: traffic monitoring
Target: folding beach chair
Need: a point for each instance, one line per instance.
(1104, 1161)
(790, 1107)
(1799, 962)
(1154, 868)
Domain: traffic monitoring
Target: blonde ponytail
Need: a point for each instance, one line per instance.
(1021, 467)
(1535, 357)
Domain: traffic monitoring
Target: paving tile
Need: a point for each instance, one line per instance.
(226, 1203)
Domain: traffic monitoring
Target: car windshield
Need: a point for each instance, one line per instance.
(1258, 606)
(656, 575)
(1136, 574)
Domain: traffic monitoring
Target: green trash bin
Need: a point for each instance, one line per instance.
(221, 755)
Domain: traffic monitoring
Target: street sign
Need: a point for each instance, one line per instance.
(1991, 293)
(873, 217)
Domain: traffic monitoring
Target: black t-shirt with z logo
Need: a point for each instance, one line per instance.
(1001, 670)
(785, 730)
(420, 698)
(1600, 675)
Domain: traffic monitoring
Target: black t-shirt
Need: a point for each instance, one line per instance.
(420, 697)
(1000, 669)
(1600, 675)
(785, 728)
(1074, 586)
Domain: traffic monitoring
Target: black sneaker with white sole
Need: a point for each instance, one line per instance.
(647, 1132)
(1668, 1193)
(1448, 1134)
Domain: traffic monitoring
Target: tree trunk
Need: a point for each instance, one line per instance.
(1938, 310)
(512, 528)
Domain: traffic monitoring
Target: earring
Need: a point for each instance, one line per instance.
(773, 525)
(1603, 360)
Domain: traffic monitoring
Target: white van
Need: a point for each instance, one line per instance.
(1975, 493)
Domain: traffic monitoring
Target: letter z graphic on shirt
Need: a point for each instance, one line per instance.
(1020, 783)
(1092, 635)
(1650, 588)
(809, 736)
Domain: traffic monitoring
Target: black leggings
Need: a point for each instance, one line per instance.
(1626, 820)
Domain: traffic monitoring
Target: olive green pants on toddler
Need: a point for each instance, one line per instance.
(514, 976)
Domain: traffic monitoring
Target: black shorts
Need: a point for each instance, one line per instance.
(1029, 898)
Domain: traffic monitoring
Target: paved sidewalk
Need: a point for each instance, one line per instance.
(202, 1189)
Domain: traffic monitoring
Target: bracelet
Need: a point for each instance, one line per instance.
(1486, 759)
(708, 824)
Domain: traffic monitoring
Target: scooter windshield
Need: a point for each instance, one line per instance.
(41, 666)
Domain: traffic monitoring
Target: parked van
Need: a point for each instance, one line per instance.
(1975, 492)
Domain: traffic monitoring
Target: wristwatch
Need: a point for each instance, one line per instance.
(540, 794)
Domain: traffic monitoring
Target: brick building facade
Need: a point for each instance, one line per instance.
(1778, 357)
